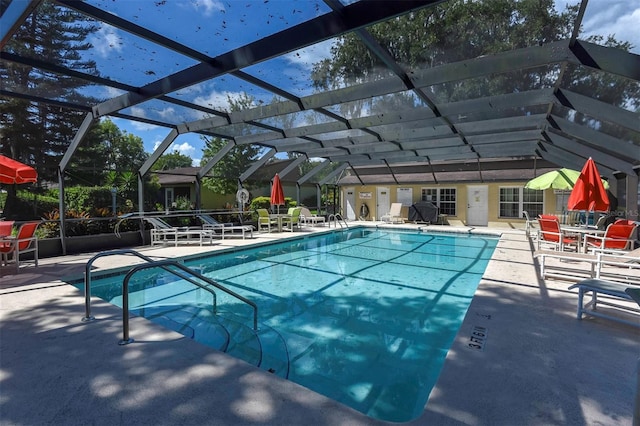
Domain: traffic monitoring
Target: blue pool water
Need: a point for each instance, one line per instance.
(365, 316)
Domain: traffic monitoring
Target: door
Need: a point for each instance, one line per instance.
(169, 198)
(350, 203)
(382, 201)
(477, 205)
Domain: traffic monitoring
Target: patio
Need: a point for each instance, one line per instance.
(538, 365)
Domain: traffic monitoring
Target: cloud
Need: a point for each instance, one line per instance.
(613, 17)
(184, 148)
(207, 7)
(106, 41)
(310, 55)
(217, 100)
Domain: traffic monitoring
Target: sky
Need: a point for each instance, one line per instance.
(221, 26)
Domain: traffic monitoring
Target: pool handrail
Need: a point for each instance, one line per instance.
(87, 279)
(87, 276)
(165, 263)
(337, 219)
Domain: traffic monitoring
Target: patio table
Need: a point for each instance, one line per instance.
(582, 232)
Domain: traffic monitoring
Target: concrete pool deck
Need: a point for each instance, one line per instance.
(538, 365)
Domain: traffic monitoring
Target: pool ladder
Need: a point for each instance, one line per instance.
(337, 219)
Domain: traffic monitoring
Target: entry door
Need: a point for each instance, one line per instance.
(169, 198)
(350, 201)
(382, 201)
(477, 205)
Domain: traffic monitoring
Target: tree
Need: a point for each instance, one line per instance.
(33, 132)
(105, 149)
(451, 32)
(172, 160)
(227, 171)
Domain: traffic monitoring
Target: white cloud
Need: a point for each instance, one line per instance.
(106, 41)
(207, 7)
(217, 100)
(310, 55)
(620, 18)
(184, 148)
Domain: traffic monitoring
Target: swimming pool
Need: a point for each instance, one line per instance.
(364, 316)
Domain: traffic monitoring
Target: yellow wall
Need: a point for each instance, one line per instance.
(461, 202)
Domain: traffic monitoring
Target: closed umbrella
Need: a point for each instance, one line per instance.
(12, 171)
(589, 193)
(277, 194)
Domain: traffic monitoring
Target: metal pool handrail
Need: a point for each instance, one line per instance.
(337, 219)
(87, 279)
(87, 276)
(165, 263)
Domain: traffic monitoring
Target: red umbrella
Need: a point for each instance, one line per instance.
(12, 171)
(588, 192)
(277, 194)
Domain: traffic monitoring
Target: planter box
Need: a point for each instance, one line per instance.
(90, 243)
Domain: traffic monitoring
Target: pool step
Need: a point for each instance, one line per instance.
(196, 323)
(225, 332)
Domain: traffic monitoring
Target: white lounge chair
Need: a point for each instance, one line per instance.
(228, 229)
(309, 218)
(394, 215)
(164, 234)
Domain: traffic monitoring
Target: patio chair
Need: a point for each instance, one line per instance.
(618, 236)
(25, 241)
(291, 220)
(394, 215)
(549, 217)
(307, 218)
(265, 220)
(6, 227)
(551, 234)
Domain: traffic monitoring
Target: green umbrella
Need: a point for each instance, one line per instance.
(557, 179)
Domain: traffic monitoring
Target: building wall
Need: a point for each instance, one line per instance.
(493, 197)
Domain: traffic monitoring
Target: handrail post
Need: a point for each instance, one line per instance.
(125, 313)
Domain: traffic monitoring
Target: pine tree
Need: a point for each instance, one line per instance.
(38, 133)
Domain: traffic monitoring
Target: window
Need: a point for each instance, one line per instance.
(514, 200)
(444, 198)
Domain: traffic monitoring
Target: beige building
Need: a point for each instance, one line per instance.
(472, 193)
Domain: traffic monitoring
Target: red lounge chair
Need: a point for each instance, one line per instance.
(24, 242)
(551, 234)
(618, 236)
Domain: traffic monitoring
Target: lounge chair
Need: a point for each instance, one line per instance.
(394, 215)
(163, 233)
(307, 218)
(617, 266)
(228, 229)
(25, 241)
(291, 220)
(265, 220)
(611, 289)
(618, 236)
(529, 223)
(550, 234)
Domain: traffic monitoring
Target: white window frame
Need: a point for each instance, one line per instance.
(439, 195)
(520, 202)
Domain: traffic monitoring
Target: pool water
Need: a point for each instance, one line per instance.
(364, 316)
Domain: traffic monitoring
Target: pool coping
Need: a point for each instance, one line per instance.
(538, 364)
